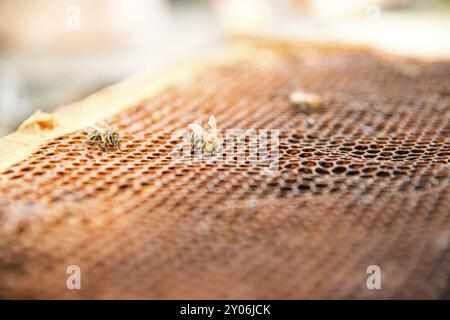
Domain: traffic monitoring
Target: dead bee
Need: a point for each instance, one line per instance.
(104, 136)
(202, 140)
(306, 101)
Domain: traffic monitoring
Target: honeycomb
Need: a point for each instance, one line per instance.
(364, 182)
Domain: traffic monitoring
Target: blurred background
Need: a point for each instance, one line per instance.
(53, 52)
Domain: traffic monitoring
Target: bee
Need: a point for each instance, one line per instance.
(104, 136)
(204, 140)
(306, 101)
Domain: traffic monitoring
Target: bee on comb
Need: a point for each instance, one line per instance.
(307, 102)
(106, 138)
(204, 140)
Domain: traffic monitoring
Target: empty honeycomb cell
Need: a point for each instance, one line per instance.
(339, 169)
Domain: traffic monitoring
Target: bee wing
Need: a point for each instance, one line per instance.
(213, 125)
(87, 123)
(90, 125)
(195, 128)
(102, 124)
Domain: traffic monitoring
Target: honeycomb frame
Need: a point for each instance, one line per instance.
(364, 182)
